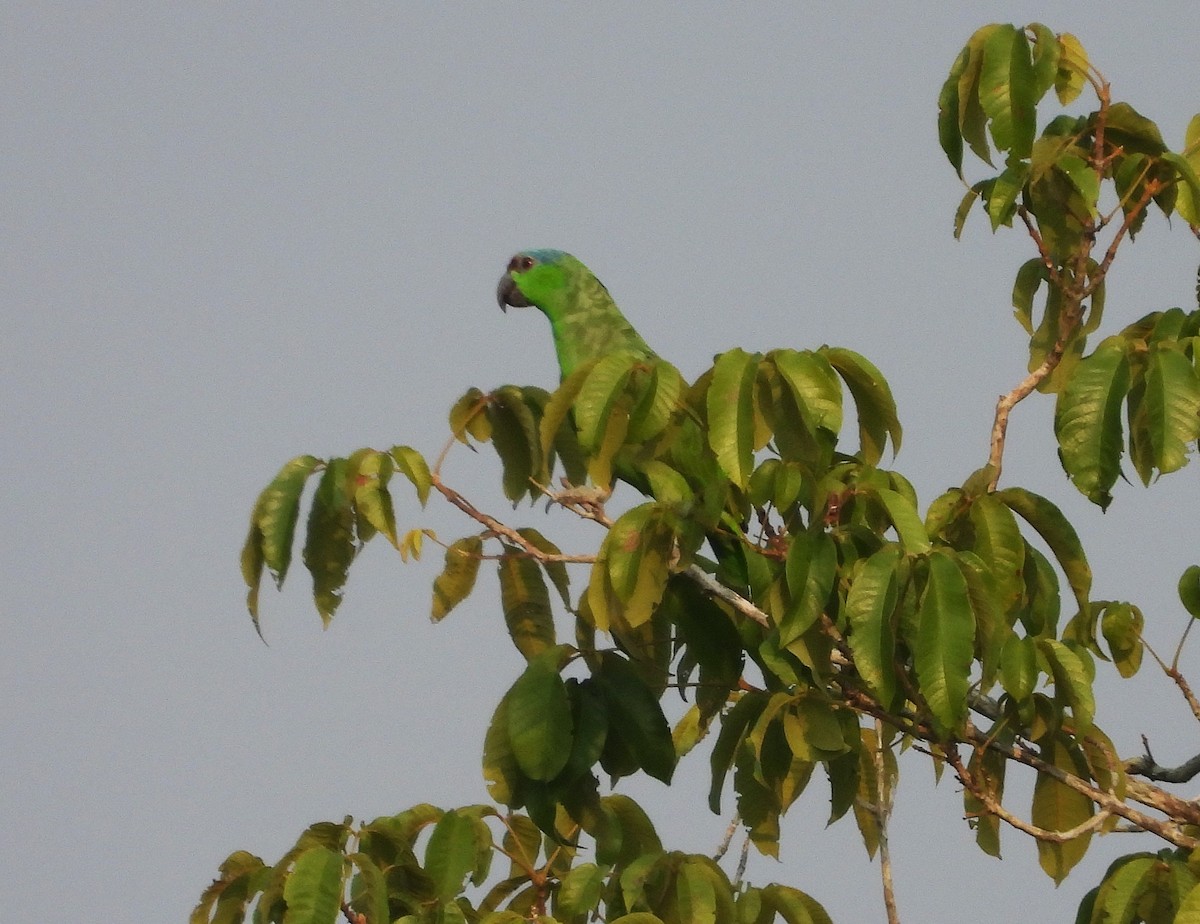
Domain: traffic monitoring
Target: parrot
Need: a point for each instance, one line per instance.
(584, 319)
(587, 324)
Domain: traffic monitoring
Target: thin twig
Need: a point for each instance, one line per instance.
(1178, 678)
(993, 807)
(501, 529)
(715, 588)
(728, 838)
(883, 812)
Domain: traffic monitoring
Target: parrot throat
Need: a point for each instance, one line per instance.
(586, 324)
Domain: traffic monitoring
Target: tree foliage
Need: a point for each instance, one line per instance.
(831, 619)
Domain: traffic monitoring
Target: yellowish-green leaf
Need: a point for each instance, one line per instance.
(526, 604)
(1058, 807)
(1172, 400)
(1087, 420)
(314, 888)
(944, 644)
(1006, 90)
(730, 405)
(908, 524)
(275, 514)
(450, 855)
(329, 548)
(598, 395)
(413, 466)
(877, 420)
(1058, 533)
(1072, 681)
(465, 415)
(870, 607)
(457, 579)
(1072, 69)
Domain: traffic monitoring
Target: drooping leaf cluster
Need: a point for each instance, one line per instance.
(418, 866)
(1081, 176)
(776, 584)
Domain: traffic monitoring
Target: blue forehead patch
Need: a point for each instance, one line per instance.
(545, 255)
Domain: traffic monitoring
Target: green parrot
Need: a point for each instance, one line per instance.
(584, 319)
(587, 324)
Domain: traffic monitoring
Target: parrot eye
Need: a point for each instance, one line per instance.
(521, 263)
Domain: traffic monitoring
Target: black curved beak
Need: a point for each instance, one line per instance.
(508, 294)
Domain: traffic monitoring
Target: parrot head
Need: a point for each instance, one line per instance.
(533, 278)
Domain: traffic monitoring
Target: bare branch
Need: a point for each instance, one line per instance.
(715, 588)
(502, 530)
(882, 810)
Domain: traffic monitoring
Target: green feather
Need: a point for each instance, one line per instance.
(584, 319)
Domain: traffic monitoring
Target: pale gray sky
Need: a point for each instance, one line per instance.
(237, 232)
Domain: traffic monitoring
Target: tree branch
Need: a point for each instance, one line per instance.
(995, 808)
(883, 812)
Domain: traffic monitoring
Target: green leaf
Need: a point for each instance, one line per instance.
(1087, 420)
(579, 892)
(1072, 69)
(870, 606)
(526, 604)
(466, 416)
(329, 548)
(949, 133)
(998, 542)
(1132, 131)
(515, 436)
(1072, 681)
(368, 473)
(1172, 400)
(1018, 667)
(972, 120)
(555, 570)
(730, 404)
(1046, 54)
(539, 718)
(944, 645)
(695, 897)
(988, 768)
(811, 571)
(500, 768)
(1002, 200)
(794, 906)
(1189, 590)
(452, 852)
(598, 397)
(635, 712)
(908, 524)
(658, 404)
(370, 892)
(413, 466)
(1187, 203)
(1006, 90)
(877, 420)
(1123, 888)
(457, 579)
(733, 728)
(314, 888)
(1189, 908)
(1083, 177)
(555, 415)
(964, 209)
(1122, 626)
(814, 385)
(273, 526)
(1057, 807)
(1048, 521)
